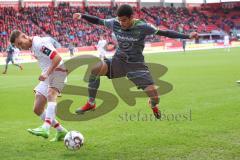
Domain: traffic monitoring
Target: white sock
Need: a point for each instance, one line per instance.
(43, 115)
(50, 114)
(54, 124)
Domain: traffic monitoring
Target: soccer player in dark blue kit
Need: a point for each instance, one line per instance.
(10, 51)
(128, 59)
(184, 44)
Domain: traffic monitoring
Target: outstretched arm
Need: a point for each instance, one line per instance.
(89, 18)
(173, 34)
(150, 29)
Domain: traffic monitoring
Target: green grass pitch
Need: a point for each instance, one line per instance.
(205, 95)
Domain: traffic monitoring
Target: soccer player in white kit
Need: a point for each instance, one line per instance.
(226, 43)
(101, 47)
(51, 81)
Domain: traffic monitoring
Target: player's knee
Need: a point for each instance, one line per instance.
(52, 95)
(99, 69)
(51, 98)
(150, 88)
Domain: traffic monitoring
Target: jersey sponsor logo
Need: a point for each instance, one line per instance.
(125, 38)
(46, 51)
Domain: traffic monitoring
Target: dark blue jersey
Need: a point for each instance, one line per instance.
(130, 41)
(10, 51)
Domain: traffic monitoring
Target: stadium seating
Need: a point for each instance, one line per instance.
(58, 23)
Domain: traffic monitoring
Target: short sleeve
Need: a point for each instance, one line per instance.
(48, 50)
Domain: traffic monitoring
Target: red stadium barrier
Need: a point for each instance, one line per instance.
(99, 3)
(157, 44)
(38, 4)
(13, 4)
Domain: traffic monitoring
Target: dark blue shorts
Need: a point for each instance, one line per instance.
(137, 72)
(9, 59)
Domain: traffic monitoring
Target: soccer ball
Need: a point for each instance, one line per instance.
(73, 140)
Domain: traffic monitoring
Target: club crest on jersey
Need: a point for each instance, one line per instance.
(46, 50)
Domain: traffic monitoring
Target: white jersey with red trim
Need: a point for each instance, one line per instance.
(101, 47)
(226, 40)
(44, 52)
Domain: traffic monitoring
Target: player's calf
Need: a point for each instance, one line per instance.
(154, 100)
(153, 103)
